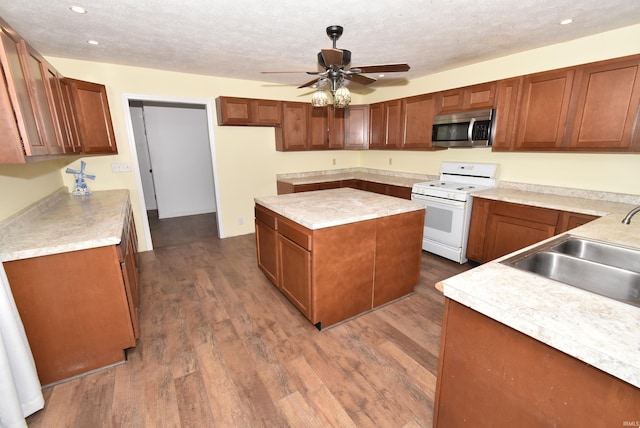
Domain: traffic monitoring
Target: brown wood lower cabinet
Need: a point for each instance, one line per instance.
(334, 273)
(80, 308)
(498, 228)
(490, 375)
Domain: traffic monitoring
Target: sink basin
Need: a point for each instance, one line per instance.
(611, 255)
(608, 270)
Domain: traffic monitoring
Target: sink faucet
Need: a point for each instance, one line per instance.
(627, 218)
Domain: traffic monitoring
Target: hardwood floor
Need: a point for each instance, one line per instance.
(220, 346)
(181, 230)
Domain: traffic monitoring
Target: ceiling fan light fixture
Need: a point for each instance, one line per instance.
(320, 98)
(342, 97)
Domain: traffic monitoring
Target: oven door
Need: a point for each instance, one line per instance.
(444, 227)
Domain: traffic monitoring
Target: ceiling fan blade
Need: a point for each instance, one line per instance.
(386, 68)
(332, 57)
(363, 80)
(289, 71)
(310, 83)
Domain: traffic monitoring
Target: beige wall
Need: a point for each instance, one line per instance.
(246, 158)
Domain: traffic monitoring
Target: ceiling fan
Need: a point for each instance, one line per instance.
(335, 67)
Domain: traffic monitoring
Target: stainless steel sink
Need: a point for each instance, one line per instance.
(611, 255)
(609, 270)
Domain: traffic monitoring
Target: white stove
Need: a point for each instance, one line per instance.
(448, 206)
(457, 180)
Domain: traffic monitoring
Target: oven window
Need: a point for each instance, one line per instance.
(438, 218)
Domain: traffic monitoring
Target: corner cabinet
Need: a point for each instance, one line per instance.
(498, 228)
(43, 115)
(80, 308)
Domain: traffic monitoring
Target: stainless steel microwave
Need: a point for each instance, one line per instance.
(464, 129)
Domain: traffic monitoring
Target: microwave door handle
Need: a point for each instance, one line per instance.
(470, 131)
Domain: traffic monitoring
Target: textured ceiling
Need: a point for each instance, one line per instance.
(241, 38)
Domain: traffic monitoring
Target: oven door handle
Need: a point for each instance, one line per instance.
(470, 130)
(435, 201)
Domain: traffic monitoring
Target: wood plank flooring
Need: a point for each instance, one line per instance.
(221, 347)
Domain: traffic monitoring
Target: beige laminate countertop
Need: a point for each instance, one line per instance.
(599, 331)
(327, 208)
(373, 175)
(62, 222)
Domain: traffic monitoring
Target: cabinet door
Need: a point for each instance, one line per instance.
(474, 97)
(607, 96)
(41, 98)
(356, 127)
(17, 88)
(93, 117)
(418, 121)
(295, 273)
(266, 112)
(515, 226)
(569, 220)
(66, 136)
(292, 135)
(543, 110)
(337, 127)
(233, 111)
(377, 126)
(72, 125)
(506, 111)
(267, 248)
(318, 128)
(478, 229)
(394, 122)
(11, 146)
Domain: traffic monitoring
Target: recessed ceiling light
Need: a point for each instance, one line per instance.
(566, 21)
(78, 9)
(380, 75)
(93, 42)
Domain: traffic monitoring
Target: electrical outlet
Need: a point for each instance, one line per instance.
(390, 161)
(333, 161)
(120, 167)
(240, 221)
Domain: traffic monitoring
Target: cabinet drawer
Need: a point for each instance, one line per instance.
(267, 217)
(298, 234)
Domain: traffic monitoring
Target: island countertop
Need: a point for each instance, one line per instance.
(600, 331)
(334, 207)
(62, 222)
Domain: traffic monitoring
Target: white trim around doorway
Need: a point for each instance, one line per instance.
(126, 98)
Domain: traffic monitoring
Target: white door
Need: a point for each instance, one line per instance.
(142, 148)
(180, 153)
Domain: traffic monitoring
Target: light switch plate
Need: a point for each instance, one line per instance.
(120, 167)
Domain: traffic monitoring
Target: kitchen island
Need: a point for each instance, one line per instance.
(341, 252)
(519, 349)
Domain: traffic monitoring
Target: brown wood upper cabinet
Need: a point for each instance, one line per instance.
(248, 111)
(385, 125)
(467, 98)
(93, 117)
(42, 115)
(405, 123)
(356, 127)
(591, 108)
(605, 107)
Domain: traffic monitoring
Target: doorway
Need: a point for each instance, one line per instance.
(173, 149)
